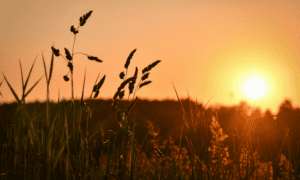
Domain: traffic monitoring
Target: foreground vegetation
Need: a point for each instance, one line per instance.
(60, 142)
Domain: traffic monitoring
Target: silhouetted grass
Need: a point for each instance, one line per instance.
(58, 144)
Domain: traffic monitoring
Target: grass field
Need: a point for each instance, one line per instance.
(60, 144)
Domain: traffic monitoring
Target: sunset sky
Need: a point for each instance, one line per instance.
(208, 48)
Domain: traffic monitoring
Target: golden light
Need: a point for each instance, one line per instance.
(254, 87)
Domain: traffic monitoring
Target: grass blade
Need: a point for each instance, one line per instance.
(61, 149)
(33, 87)
(24, 87)
(208, 102)
(51, 67)
(11, 89)
(83, 86)
(45, 67)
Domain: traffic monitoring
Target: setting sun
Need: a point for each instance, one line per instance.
(254, 87)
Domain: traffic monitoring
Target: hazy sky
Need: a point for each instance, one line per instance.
(208, 48)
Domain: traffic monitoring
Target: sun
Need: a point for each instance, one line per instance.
(254, 87)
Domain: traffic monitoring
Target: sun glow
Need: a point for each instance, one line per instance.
(254, 87)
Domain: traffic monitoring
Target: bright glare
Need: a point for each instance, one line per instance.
(254, 87)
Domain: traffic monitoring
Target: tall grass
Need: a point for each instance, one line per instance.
(55, 145)
(41, 145)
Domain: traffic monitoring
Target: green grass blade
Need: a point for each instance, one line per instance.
(11, 89)
(32, 87)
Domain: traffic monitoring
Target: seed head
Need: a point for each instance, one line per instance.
(122, 75)
(73, 30)
(66, 78)
(129, 58)
(55, 51)
(148, 68)
(68, 55)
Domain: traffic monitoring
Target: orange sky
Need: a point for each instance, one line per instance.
(207, 47)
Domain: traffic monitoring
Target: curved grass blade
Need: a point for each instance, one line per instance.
(11, 89)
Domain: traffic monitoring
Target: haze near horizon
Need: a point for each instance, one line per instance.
(208, 48)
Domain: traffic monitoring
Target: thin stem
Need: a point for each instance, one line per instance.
(73, 44)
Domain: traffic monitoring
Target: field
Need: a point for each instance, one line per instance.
(142, 139)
